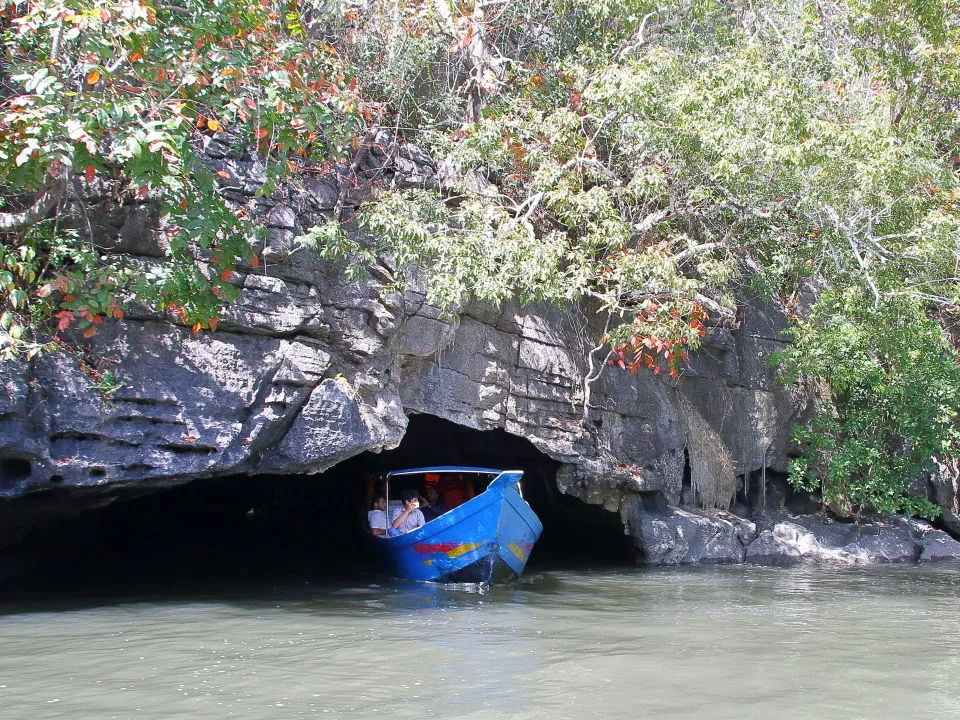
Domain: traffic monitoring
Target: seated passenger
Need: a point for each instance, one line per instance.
(406, 518)
(377, 518)
(455, 491)
(433, 507)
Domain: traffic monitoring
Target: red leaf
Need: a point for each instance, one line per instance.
(90, 332)
(225, 275)
(89, 173)
(254, 261)
(213, 323)
(65, 319)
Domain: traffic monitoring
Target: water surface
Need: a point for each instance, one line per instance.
(734, 642)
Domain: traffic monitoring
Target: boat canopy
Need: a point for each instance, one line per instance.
(444, 469)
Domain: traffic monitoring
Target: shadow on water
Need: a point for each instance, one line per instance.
(162, 552)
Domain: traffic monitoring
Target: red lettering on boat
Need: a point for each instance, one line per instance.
(426, 548)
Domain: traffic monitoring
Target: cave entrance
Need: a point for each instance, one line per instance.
(574, 533)
(247, 527)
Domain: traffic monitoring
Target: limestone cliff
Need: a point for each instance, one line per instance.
(309, 368)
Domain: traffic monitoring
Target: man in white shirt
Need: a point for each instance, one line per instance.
(408, 517)
(377, 518)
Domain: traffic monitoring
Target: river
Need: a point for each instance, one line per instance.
(724, 642)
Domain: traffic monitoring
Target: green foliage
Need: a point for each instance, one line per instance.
(119, 92)
(650, 161)
(658, 156)
(888, 393)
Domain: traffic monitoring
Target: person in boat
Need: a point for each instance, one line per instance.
(377, 517)
(433, 508)
(407, 517)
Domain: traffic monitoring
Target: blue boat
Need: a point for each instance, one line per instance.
(487, 539)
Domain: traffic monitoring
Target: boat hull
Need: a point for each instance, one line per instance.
(488, 539)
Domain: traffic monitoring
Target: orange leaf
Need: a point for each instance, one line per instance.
(90, 332)
(224, 174)
(92, 77)
(161, 74)
(255, 261)
(135, 57)
(65, 319)
(196, 328)
(89, 173)
(183, 203)
(213, 323)
(225, 275)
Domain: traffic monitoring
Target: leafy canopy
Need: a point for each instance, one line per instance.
(120, 94)
(654, 161)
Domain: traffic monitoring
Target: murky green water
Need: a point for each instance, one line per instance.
(673, 643)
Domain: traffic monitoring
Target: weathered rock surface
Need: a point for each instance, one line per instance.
(807, 539)
(679, 536)
(309, 368)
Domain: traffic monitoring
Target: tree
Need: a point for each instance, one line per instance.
(123, 93)
(654, 161)
(688, 152)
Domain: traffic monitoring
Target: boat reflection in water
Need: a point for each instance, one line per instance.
(486, 538)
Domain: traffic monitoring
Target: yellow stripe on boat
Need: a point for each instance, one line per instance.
(518, 551)
(463, 549)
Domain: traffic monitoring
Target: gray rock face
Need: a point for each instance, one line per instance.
(308, 368)
(807, 539)
(677, 536)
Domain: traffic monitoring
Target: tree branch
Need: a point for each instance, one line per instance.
(48, 199)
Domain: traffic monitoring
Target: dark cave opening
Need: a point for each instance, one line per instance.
(275, 527)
